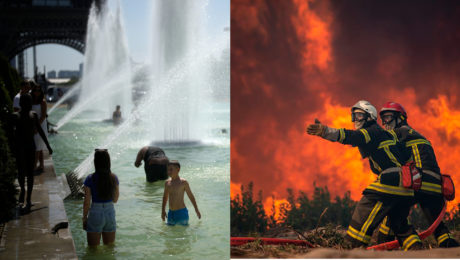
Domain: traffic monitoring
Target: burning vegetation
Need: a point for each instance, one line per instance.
(294, 61)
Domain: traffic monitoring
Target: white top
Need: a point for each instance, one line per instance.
(16, 101)
(39, 143)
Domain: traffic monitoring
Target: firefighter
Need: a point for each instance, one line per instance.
(385, 196)
(429, 197)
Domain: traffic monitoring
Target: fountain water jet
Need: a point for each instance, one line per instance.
(173, 112)
(106, 80)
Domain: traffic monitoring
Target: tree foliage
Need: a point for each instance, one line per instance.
(7, 175)
(9, 86)
(247, 215)
(301, 213)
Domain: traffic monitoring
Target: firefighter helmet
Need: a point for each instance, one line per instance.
(367, 107)
(394, 107)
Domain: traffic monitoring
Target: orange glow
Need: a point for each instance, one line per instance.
(315, 32)
(235, 188)
(294, 61)
(268, 206)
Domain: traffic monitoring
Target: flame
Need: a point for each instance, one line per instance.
(268, 207)
(315, 33)
(235, 188)
(294, 61)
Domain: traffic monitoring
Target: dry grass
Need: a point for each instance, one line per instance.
(330, 237)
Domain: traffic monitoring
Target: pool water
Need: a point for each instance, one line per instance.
(141, 233)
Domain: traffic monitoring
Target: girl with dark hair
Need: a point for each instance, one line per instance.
(101, 191)
(39, 106)
(25, 124)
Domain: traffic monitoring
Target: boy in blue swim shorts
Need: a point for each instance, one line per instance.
(175, 187)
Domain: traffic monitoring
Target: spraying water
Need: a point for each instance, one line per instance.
(106, 80)
(177, 33)
(176, 107)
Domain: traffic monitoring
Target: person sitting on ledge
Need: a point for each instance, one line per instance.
(155, 163)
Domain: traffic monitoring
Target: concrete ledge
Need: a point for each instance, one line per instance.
(31, 236)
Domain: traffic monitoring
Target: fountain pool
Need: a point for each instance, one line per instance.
(141, 234)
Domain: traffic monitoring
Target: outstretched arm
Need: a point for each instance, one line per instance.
(192, 199)
(165, 199)
(140, 156)
(351, 137)
(328, 133)
(41, 133)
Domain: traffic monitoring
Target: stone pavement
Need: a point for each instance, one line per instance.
(31, 236)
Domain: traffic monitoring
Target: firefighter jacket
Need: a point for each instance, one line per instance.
(423, 155)
(385, 154)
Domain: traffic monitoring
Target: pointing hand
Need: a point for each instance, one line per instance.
(316, 129)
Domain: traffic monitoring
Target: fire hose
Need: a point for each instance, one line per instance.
(237, 241)
(395, 244)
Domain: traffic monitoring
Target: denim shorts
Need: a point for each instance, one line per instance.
(179, 217)
(101, 218)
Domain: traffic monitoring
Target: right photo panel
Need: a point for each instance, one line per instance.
(345, 129)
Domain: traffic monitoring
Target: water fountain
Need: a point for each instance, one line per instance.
(173, 113)
(106, 80)
(176, 111)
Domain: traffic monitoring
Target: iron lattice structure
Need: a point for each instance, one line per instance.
(25, 23)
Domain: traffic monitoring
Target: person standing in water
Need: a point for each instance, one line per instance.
(155, 163)
(101, 192)
(25, 124)
(116, 116)
(174, 192)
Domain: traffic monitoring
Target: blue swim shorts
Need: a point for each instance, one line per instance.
(101, 218)
(179, 217)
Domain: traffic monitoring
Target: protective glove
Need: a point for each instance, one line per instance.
(316, 129)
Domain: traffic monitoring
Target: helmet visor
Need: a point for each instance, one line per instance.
(358, 116)
(387, 118)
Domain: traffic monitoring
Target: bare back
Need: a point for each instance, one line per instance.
(176, 190)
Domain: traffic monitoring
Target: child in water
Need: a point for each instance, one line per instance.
(174, 191)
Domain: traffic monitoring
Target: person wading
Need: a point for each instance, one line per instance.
(101, 192)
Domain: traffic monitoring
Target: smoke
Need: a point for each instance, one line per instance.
(293, 61)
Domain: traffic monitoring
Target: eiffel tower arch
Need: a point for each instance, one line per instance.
(27, 23)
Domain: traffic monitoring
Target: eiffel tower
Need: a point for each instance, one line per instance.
(27, 23)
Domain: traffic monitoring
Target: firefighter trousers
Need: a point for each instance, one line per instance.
(431, 206)
(372, 209)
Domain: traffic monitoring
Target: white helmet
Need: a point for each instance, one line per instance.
(366, 106)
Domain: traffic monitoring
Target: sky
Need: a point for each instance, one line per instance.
(137, 21)
(294, 61)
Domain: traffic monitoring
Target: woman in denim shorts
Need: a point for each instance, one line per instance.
(101, 191)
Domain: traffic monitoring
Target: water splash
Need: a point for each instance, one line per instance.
(106, 80)
(139, 124)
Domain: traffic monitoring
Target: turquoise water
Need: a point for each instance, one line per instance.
(141, 234)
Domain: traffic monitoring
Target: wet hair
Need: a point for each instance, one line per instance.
(174, 162)
(25, 101)
(105, 183)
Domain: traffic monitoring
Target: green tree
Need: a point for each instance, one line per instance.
(247, 215)
(7, 175)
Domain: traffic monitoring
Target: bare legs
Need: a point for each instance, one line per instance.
(94, 238)
(39, 158)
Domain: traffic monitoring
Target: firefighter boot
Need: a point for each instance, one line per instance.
(450, 242)
(350, 243)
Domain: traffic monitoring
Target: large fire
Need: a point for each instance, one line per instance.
(294, 61)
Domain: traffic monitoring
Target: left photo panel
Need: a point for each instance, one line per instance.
(115, 129)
